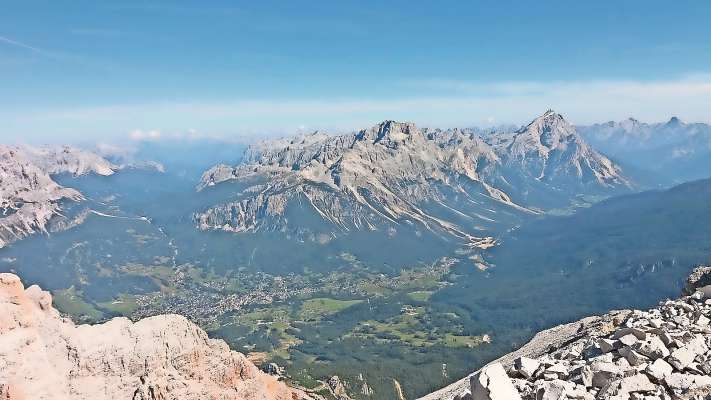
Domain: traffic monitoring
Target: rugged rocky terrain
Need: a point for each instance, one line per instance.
(661, 353)
(29, 197)
(45, 356)
(393, 174)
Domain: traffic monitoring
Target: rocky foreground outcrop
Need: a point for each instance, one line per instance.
(45, 356)
(662, 353)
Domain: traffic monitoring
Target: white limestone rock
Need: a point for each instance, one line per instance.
(526, 366)
(652, 347)
(681, 358)
(492, 383)
(659, 369)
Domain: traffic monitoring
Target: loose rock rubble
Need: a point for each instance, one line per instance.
(663, 353)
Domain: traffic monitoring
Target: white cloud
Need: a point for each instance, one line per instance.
(439, 103)
(140, 135)
(25, 46)
(115, 150)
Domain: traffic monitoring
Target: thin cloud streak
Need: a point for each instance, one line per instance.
(25, 46)
(61, 56)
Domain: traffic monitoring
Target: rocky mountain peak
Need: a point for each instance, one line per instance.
(630, 124)
(550, 149)
(388, 132)
(674, 122)
(548, 131)
(29, 196)
(67, 159)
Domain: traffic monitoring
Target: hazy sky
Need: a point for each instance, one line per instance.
(100, 69)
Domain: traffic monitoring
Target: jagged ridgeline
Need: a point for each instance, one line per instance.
(398, 180)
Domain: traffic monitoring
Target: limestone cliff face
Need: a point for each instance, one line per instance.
(45, 356)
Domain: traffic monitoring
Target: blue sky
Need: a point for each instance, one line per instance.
(100, 69)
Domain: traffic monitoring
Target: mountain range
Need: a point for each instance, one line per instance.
(660, 153)
(345, 227)
(397, 176)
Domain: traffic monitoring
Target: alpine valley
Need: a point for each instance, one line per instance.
(381, 264)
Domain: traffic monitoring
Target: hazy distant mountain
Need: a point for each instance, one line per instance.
(396, 176)
(674, 151)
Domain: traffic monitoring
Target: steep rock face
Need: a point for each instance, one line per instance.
(662, 353)
(44, 356)
(449, 181)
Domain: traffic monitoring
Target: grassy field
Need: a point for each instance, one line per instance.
(412, 328)
(125, 304)
(70, 301)
(317, 308)
(420, 295)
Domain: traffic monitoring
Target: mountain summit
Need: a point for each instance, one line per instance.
(550, 149)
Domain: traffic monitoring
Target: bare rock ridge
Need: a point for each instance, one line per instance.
(660, 354)
(45, 356)
(29, 198)
(452, 181)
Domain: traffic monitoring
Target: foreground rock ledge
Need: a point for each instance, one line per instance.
(45, 356)
(660, 354)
